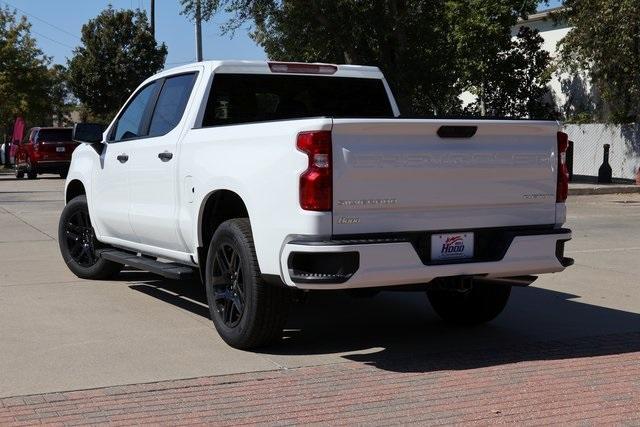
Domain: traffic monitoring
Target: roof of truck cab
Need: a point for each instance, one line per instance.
(262, 67)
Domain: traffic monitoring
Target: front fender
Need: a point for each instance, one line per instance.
(84, 160)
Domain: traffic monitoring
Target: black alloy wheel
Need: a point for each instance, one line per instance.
(81, 239)
(79, 245)
(228, 285)
(246, 311)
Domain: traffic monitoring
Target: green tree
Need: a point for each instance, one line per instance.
(430, 50)
(62, 100)
(508, 75)
(396, 36)
(24, 77)
(605, 41)
(519, 75)
(117, 53)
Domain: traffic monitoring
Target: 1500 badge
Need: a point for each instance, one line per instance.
(348, 220)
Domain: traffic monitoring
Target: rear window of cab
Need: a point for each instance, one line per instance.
(54, 135)
(247, 98)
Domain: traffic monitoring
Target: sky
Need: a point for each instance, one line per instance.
(56, 25)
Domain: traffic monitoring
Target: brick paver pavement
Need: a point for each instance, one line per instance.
(593, 381)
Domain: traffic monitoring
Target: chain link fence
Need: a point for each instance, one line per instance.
(588, 149)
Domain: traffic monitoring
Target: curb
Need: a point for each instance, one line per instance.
(598, 191)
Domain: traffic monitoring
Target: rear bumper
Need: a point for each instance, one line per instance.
(55, 166)
(391, 262)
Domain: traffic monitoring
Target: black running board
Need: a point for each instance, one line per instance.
(168, 270)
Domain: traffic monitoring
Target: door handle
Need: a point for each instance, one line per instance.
(165, 156)
(122, 158)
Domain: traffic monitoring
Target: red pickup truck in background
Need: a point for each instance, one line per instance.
(44, 150)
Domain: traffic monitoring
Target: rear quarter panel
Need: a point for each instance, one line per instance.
(261, 164)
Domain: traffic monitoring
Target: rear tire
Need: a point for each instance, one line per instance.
(246, 311)
(481, 303)
(79, 246)
(31, 171)
(64, 173)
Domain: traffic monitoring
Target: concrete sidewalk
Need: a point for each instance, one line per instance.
(589, 189)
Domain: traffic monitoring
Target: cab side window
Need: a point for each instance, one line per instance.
(131, 123)
(171, 104)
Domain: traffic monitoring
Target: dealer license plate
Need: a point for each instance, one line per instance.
(451, 246)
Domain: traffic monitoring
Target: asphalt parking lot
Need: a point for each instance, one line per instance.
(579, 329)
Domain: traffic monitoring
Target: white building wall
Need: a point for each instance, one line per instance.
(551, 40)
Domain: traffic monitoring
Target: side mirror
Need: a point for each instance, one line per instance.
(89, 133)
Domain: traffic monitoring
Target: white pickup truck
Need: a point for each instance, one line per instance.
(271, 177)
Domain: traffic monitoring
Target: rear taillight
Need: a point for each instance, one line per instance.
(562, 190)
(316, 183)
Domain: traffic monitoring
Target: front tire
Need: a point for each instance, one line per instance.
(79, 246)
(246, 311)
(480, 303)
(19, 174)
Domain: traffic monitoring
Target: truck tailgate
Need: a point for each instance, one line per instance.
(395, 175)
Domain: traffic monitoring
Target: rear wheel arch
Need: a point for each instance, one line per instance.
(75, 189)
(218, 207)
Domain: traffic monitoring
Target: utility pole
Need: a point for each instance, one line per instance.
(153, 19)
(198, 32)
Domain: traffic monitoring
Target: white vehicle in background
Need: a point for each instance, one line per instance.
(273, 177)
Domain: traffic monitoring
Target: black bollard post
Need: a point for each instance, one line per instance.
(605, 172)
(570, 160)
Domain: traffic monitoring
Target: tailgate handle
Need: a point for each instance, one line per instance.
(457, 131)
